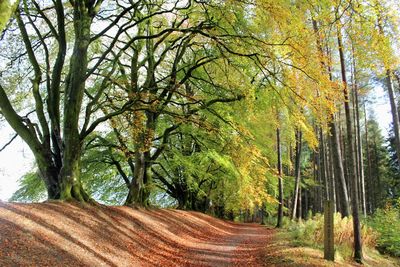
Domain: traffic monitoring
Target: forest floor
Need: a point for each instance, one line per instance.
(65, 234)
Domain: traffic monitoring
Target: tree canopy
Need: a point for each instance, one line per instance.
(218, 106)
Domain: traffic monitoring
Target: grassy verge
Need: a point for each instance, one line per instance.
(301, 244)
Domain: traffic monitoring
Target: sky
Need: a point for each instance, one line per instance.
(17, 159)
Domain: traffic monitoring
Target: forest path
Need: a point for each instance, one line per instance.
(73, 234)
(242, 245)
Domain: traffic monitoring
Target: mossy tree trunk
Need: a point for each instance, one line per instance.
(57, 156)
(71, 186)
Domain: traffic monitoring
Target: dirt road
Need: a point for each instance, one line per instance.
(243, 245)
(64, 234)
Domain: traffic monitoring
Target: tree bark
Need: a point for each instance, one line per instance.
(395, 115)
(323, 155)
(339, 170)
(369, 169)
(136, 194)
(297, 173)
(71, 186)
(351, 153)
(280, 182)
(360, 154)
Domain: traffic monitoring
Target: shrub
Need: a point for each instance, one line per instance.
(386, 222)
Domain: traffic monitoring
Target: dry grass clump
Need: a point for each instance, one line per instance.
(311, 233)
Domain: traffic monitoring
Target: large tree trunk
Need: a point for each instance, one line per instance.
(138, 194)
(50, 175)
(280, 182)
(352, 157)
(71, 186)
(139, 189)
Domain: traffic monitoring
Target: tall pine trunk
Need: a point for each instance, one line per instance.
(360, 155)
(336, 150)
(339, 170)
(280, 182)
(369, 169)
(395, 114)
(297, 173)
(351, 157)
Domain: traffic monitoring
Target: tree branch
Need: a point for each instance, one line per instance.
(9, 142)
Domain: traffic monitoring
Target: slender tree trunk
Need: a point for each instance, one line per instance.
(263, 214)
(315, 188)
(351, 153)
(300, 202)
(339, 207)
(369, 170)
(339, 170)
(360, 161)
(332, 177)
(306, 204)
(280, 182)
(336, 151)
(297, 173)
(319, 181)
(323, 152)
(378, 185)
(360, 155)
(395, 115)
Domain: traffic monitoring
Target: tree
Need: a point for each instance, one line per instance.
(156, 70)
(297, 172)
(351, 156)
(280, 182)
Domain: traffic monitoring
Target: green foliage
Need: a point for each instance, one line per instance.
(6, 10)
(31, 189)
(99, 178)
(383, 176)
(386, 222)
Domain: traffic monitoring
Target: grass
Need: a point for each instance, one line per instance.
(311, 233)
(301, 244)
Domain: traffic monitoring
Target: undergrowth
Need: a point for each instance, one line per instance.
(311, 233)
(386, 222)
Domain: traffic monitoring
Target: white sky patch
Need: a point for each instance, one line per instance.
(15, 161)
(379, 104)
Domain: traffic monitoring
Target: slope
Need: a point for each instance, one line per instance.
(66, 234)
